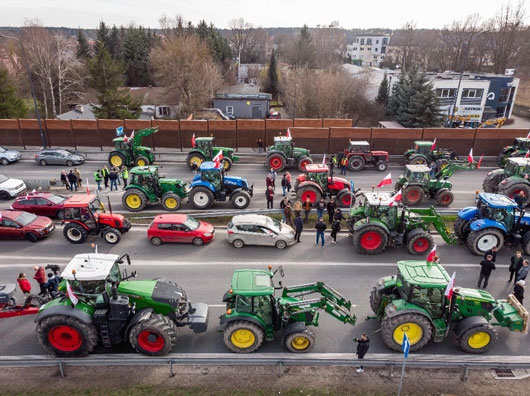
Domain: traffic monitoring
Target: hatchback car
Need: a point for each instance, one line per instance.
(8, 156)
(259, 230)
(59, 157)
(179, 228)
(10, 188)
(15, 224)
(41, 204)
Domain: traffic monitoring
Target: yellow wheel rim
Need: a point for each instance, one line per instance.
(242, 338)
(196, 160)
(116, 160)
(413, 330)
(300, 343)
(141, 162)
(479, 340)
(171, 203)
(225, 165)
(133, 201)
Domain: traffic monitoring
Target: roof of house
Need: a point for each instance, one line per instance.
(86, 112)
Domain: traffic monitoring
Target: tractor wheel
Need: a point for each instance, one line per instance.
(194, 158)
(356, 163)
(300, 341)
(116, 159)
(479, 242)
(370, 240)
(155, 336)
(276, 162)
(75, 233)
(461, 228)
(309, 192)
(417, 160)
(240, 199)
(420, 243)
(346, 199)
(381, 166)
(525, 243)
(418, 328)
(171, 201)
(444, 197)
(111, 235)
(487, 186)
(515, 189)
(478, 339)
(66, 336)
(201, 198)
(134, 200)
(241, 336)
(141, 161)
(227, 164)
(375, 300)
(397, 186)
(303, 162)
(412, 195)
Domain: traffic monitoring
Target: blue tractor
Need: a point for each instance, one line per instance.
(495, 220)
(212, 185)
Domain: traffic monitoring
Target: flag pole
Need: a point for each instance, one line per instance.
(402, 375)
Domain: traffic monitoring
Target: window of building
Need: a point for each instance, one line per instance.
(385, 41)
(369, 48)
(362, 41)
(375, 57)
(163, 111)
(472, 93)
(375, 49)
(445, 93)
(383, 50)
(362, 48)
(504, 95)
(377, 41)
(369, 41)
(229, 109)
(354, 49)
(356, 40)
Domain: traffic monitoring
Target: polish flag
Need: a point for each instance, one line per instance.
(385, 181)
(470, 156)
(71, 295)
(125, 138)
(480, 160)
(87, 189)
(324, 160)
(432, 254)
(449, 289)
(288, 134)
(433, 145)
(193, 144)
(395, 198)
(132, 135)
(527, 154)
(528, 136)
(218, 158)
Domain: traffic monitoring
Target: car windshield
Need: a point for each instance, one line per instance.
(274, 224)
(56, 199)
(2, 149)
(3, 178)
(191, 223)
(65, 152)
(26, 218)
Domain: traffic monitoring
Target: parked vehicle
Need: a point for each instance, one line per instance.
(59, 157)
(204, 150)
(284, 153)
(10, 188)
(15, 224)
(519, 148)
(317, 182)
(41, 204)
(8, 156)
(422, 154)
(179, 228)
(259, 230)
(129, 151)
(510, 181)
(360, 154)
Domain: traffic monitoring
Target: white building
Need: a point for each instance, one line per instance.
(368, 50)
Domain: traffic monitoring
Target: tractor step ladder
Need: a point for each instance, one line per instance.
(104, 329)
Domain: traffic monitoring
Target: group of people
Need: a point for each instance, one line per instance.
(113, 176)
(72, 180)
(48, 283)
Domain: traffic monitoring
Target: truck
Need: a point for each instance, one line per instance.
(129, 151)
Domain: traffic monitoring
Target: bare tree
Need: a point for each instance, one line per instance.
(247, 42)
(329, 45)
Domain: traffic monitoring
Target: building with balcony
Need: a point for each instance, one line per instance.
(368, 50)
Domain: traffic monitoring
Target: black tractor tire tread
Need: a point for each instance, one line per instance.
(237, 324)
(389, 324)
(425, 235)
(114, 231)
(357, 240)
(228, 161)
(487, 328)
(160, 323)
(461, 228)
(508, 190)
(353, 158)
(117, 153)
(439, 194)
(375, 300)
(140, 157)
(416, 159)
(299, 163)
(190, 155)
(308, 333)
(475, 235)
(138, 192)
(81, 229)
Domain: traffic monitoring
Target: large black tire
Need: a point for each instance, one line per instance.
(514, 189)
(412, 195)
(194, 157)
(111, 235)
(30, 236)
(487, 186)
(393, 328)
(155, 336)
(303, 162)
(116, 159)
(420, 243)
(375, 300)
(370, 240)
(171, 201)
(461, 228)
(75, 233)
(356, 163)
(241, 336)
(479, 242)
(4, 195)
(300, 341)
(141, 161)
(525, 243)
(444, 197)
(381, 166)
(240, 199)
(311, 192)
(276, 162)
(345, 199)
(201, 197)
(478, 339)
(417, 160)
(227, 164)
(134, 200)
(66, 336)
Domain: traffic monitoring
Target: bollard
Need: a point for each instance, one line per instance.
(464, 376)
(280, 368)
(61, 369)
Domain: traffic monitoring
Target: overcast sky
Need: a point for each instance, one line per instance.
(266, 13)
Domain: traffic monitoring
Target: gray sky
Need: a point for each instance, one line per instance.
(266, 13)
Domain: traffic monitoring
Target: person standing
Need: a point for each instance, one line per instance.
(113, 176)
(118, 172)
(98, 178)
(518, 290)
(343, 165)
(492, 252)
(78, 175)
(272, 175)
(321, 206)
(23, 284)
(307, 209)
(124, 175)
(299, 226)
(519, 199)
(331, 206)
(105, 173)
(516, 262)
(288, 176)
(284, 184)
(259, 143)
(288, 214)
(487, 266)
(320, 226)
(523, 272)
(283, 204)
(363, 344)
(335, 228)
(269, 194)
(332, 161)
(64, 179)
(40, 277)
(72, 179)
(297, 207)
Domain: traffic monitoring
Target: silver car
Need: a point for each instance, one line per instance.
(7, 156)
(259, 230)
(59, 157)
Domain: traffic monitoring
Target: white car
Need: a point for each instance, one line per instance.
(10, 188)
(261, 230)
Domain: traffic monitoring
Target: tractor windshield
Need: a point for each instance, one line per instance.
(114, 273)
(96, 206)
(510, 169)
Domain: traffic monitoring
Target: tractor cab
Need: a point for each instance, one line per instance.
(417, 174)
(211, 174)
(517, 166)
(318, 173)
(284, 144)
(522, 144)
(145, 176)
(359, 146)
(423, 147)
(498, 208)
(379, 206)
(205, 144)
(85, 208)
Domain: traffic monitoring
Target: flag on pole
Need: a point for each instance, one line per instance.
(450, 286)
(470, 156)
(119, 131)
(125, 138)
(288, 134)
(385, 181)
(527, 154)
(218, 158)
(87, 188)
(70, 293)
(432, 255)
(324, 159)
(132, 135)
(480, 160)
(405, 345)
(193, 144)
(528, 135)
(433, 145)
(395, 198)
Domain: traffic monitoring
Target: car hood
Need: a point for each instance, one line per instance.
(204, 227)
(40, 222)
(11, 153)
(11, 183)
(286, 230)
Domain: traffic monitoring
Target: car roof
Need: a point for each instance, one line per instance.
(497, 200)
(34, 195)
(520, 161)
(208, 165)
(423, 273)
(171, 218)
(11, 214)
(418, 168)
(316, 168)
(79, 200)
(252, 282)
(250, 219)
(91, 266)
(359, 143)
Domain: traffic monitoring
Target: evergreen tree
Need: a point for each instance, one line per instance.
(11, 106)
(83, 48)
(382, 94)
(114, 43)
(216, 42)
(272, 84)
(102, 36)
(136, 57)
(305, 49)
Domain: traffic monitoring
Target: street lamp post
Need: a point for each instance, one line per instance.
(26, 64)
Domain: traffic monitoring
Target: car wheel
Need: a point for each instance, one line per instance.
(4, 195)
(5, 161)
(281, 245)
(32, 237)
(156, 241)
(238, 243)
(198, 241)
(69, 163)
(43, 162)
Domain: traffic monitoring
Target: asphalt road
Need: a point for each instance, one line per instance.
(465, 183)
(205, 273)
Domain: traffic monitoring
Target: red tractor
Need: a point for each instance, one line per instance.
(359, 154)
(316, 183)
(85, 215)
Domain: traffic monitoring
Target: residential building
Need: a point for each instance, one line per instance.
(243, 105)
(368, 50)
(149, 112)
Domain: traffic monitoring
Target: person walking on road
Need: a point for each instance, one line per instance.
(363, 344)
(516, 262)
(321, 206)
(337, 217)
(124, 175)
(518, 290)
(320, 226)
(272, 175)
(331, 206)
(105, 173)
(269, 182)
(113, 176)
(288, 214)
(487, 266)
(23, 284)
(307, 209)
(288, 176)
(299, 227)
(283, 204)
(297, 207)
(40, 277)
(285, 183)
(98, 178)
(64, 179)
(343, 165)
(78, 175)
(269, 194)
(523, 271)
(492, 252)
(72, 179)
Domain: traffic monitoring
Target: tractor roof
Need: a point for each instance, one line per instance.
(418, 168)
(423, 273)
(80, 200)
(204, 139)
(316, 168)
(252, 282)
(423, 143)
(520, 161)
(359, 143)
(90, 267)
(378, 198)
(144, 170)
(523, 139)
(497, 201)
(282, 138)
(208, 165)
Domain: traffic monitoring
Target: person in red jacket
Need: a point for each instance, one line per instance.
(24, 284)
(40, 277)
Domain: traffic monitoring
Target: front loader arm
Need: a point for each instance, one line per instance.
(344, 314)
(447, 171)
(138, 136)
(428, 216)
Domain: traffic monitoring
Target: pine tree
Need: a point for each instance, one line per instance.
(102, 36)
(114, 43)
(136, 57)
(11, 106)
(83, 48)
(382, 94)
(305, 49)
(272, 83)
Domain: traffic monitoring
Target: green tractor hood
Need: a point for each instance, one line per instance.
(227, 152)
(161, 295)
(300, 152)
(172, 182)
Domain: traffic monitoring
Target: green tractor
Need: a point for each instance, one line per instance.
(416, 183)
(204, 150)
(285, 153)
(111, 309)
(147, 187)
(378, 223)
(254, 313)
(520, 147)
(129, 151)
(421, 154)
(510, 181)
(414, 302)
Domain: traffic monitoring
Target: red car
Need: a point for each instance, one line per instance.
(41, 204)
(179, 228)
(15, 224)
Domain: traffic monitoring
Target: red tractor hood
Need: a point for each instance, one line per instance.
(385, 153)
(338, 183)
(107, 218)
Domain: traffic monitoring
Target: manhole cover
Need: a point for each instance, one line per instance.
(503, 373)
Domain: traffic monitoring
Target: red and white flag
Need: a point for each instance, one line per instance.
(432, 255)
(385, 181)
(450, 286)
(528, 136)
(132, 135)
(433, 146)
(193, 140)
(87, 189)
(125, 138)
(324, 159)
(527, 154)
(288, 134)
(218, 158)
(470, 156)
(71, 295)
(480, 161)
(395, 198)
